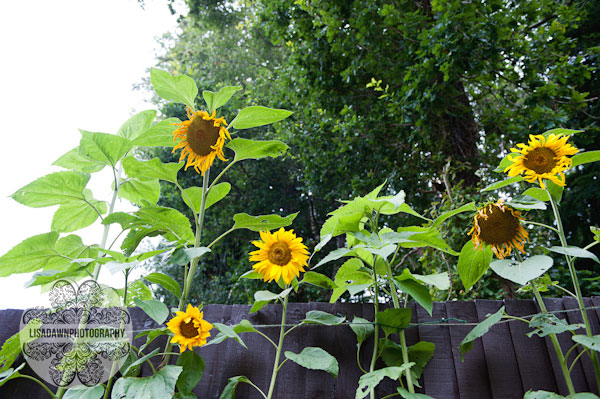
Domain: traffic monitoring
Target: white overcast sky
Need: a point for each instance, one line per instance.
(66, 64)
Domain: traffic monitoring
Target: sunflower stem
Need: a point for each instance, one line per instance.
(194, 263)
(555, 344)
(279, 348)
(573, 272)
(542, 225)
(376, 333)
(396, 300)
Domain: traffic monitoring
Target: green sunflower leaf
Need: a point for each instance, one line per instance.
(256, 149)
(76, 215)
(159, 135)
(232, 383)
(159, 385)
(75, 161)
(225, 332)
(103, 147)
(137, 124)
(370, 380)
(393, 320)
(480, 330)
(585, 157)
(315, 359)
(470, 207)
(575, 252)
(193, 195)
(324, 318)
(262, 223)
(165, 281)
(258, 116)
(592, 343)
(44, 251)
(157, 310)
(53, 189)
(522, 272)
(138, 190)
(152, 169)
(503, 183)
(473, 263)
(83, 392)
(193, 368)
(180, 89)
(319, 280)
(363, 328)
(220, 98)
(564, 132)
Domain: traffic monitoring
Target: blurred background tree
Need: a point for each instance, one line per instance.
(427, 94)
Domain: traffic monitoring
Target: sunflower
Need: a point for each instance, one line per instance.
(190, 328)
(542, 158)
(280, 255)
(499, 226)
(202, 138)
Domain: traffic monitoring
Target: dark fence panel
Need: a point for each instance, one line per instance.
(504, 364)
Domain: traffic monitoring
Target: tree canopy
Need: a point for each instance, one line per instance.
(428, 95)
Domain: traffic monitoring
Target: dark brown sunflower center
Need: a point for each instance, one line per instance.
(188, 329)
(202, 135)
(280, 254)
(499, 227)
(540, 160)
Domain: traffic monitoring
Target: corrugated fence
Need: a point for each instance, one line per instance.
(505, 363)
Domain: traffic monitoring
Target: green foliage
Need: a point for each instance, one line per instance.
(315, 359)
(159, 385)
(472, 263)
(479, 330)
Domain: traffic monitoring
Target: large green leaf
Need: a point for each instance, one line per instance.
(181, 256)
(76, 215)
(158, 386)
(193, 368)
(575, 252)
(157, 310)
(262, 223)
(193, 196)
(232, 383)
(75, 161)
(404, 394)
(225, 332)
(419, 353)
(369, 381)
(547, 323)
(220, 98)
(504, 183)
(363, 328)
(84, 392)
(470, 207)
(441, 281)
(158, 135)
(423, 237)
(522, 273)
(586, 157)
(180, 89)
(315, 359)
(53, 189)
(261, 298)
(393, 320)
(103, 147)
(164, 281)
(324, 318)
(137, 124)
(413, 287)
(592, 343)
(258, 116)
(473, 263)
(44, 251)
(480, 330)
(256, 149)
(152, 169)
(139, 190)
(318, 279)
(552, 395)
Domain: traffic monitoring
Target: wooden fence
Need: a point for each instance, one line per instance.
(504, 364)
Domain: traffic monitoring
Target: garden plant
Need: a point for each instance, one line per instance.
(377, 230)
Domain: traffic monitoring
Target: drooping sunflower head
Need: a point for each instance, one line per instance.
(542, 158)
(499, 226)
(189, 328)
(280, 255)
(202, 138)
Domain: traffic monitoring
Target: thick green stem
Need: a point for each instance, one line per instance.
(555, 344)
(194, 263)
(573, 272)
(279, 348)
(376, 327)
(390, 278)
